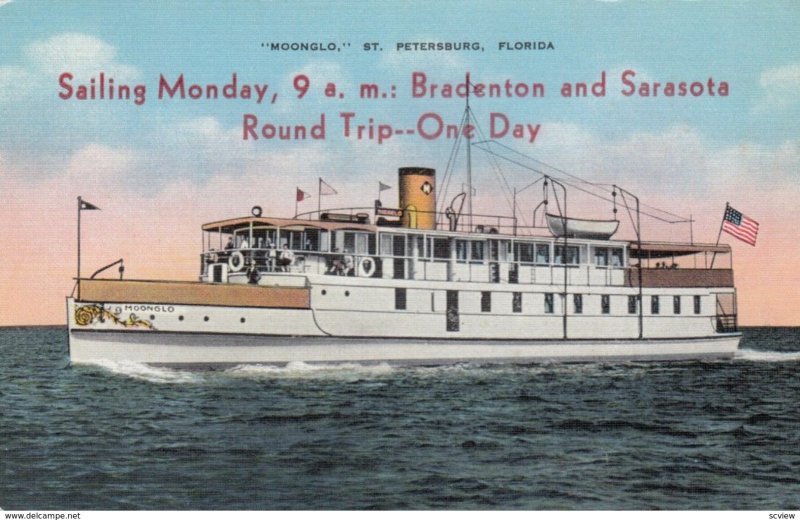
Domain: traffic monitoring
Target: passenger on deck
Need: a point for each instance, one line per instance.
(286, 258)
(349, 266)
(229, 245)
(253, 276)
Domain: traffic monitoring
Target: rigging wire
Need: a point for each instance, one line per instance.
(483, 146)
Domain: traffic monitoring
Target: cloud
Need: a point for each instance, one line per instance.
(5, 2)
(81, 54)
(14, 80)
(781, 88)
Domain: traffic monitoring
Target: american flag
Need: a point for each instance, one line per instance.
(739, 225)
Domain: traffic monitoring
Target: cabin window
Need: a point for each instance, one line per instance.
(372, 241)
(324, 241)
(469, 250)
(548, 303)
(697, 307)
(477, 251)
(605, 304)
(264, 238)
(542, 254)
(387, 247)
(616, 257)
(400, 299)
(440, 248)
(392, 245)
(633, 308)
(601, 256)
(486, 301)
(577, 302)
(349, 243)
(525, 252)
(462, 250)
(516, 302)
(417, 240)
(654, 305)
(676, 305)
(572, 257)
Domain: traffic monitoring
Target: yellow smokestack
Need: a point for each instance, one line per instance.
(418, 197)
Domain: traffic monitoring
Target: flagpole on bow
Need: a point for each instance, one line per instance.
(82, 205)
(319, 197)
(80, 202)
(719, 235)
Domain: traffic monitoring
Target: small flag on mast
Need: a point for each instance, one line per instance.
(302, 195)
(325, 188)
(383, 187)
(740, 226)
(86, 205)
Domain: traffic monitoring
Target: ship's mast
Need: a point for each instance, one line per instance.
(469, 159)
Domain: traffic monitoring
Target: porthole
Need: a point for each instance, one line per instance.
(347, 293)
(180, 318)
(152, 317)
(241, 320)
(205, 318)
(324, 292)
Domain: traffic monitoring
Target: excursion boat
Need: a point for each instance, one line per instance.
(411, 285)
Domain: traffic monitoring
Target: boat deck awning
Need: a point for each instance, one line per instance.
(672, 249)
(228, 226)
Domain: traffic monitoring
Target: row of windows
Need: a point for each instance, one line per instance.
(400, 302)
(440, 248)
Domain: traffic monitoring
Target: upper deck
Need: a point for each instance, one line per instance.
(487, 254)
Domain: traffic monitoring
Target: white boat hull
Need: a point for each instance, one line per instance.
(204, 349)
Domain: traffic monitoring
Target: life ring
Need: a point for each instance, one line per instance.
(236, 261)
(256, 211)
(367, 266)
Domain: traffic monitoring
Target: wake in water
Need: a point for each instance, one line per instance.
(770, 356)
(301, 370)
(148, 373)
(356, 371)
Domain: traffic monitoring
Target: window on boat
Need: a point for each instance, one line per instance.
(440, 248)
(417, 241)
(632, 307)
(573, 255)
(543, 254)
(516, 302)
(601, 256)
(477, 251)
(676, 305)
(548, 303)
(486, 301)
(400, 299)
(524, 252)
(617, 257)
(470, 251)
(697, 307)
(393, 245)
(577, 301)
(462, 250)
(605, 304)
(654, 305)
(311, 240)
(358, 243)
(264, 238)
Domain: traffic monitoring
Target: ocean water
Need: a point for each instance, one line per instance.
(683, 435)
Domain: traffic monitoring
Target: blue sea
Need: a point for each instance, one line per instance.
(589, 436)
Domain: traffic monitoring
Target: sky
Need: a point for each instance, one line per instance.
(161, 167)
